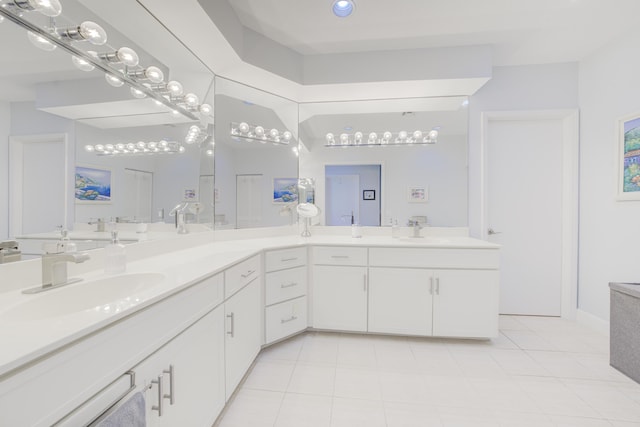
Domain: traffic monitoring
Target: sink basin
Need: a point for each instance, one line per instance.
(109, 295)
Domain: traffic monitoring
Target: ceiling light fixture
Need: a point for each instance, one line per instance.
(397, 138)
(124, 55)
(245, 130)
(153, 74)
(138, 148)
(343, 8)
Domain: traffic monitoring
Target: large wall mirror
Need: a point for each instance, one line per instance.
(256, 157)
(70, 133)
(375, 162)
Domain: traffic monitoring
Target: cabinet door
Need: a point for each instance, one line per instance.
(340, 298)
(400, 301)
(465, 303)
(243, 335)
(191, 371)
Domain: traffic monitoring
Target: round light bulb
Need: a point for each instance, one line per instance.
(127, 56)
(82, 64)
(402, 134)
(358, 137)
(89, 148)
(113, 80)
(141, 145)
(175, 88)
(131, 146)
(152, 144)
(182, 149)
(259, 130)
(417, 134)
(154, 74)
(386, 136)
(93, 33)
(373, 137)
(206, 109)
(194, 129)
(120, 147)
(163, 143)
(243, 127)
(40, 42)
(137, 93)
(343, 8)
(209, 152)
(109, 147)
(99, 148)
(1, 19)
(191, 99)
(344, 139)
(330, 138)
(433, 134)
(274, 133)
(46, 7)
(175, 113)
(286, 135)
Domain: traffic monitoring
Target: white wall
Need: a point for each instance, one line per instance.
(519, 88)
(5, 122)
(609, 230)
(441, 167)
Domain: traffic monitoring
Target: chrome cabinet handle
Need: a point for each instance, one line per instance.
(340, 256)
(291, 319)
(437, 286)
(248, 273)
(290, 285)
(232, 317)
(171, 395)
(288, 259)
(491, 232)
(431, 285)
(365, 282)
(158, 407)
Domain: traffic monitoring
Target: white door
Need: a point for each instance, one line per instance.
(38, 185)
(342, 195)
(524, 208)
(138, 191)
(248, 201)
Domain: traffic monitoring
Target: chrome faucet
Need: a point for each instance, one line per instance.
(416, 227)
(54, 270)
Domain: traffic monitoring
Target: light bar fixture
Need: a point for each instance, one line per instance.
(258, 133)
(136, 148)
(360, 139)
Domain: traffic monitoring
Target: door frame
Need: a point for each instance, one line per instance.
(321, 192)
(570, 192)
(16, 168)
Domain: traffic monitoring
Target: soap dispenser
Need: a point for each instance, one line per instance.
(115, 256)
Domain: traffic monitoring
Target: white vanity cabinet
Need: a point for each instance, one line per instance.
(243, 333)
(340, 288)
(439, 292)
(183, 382)
(285, 293)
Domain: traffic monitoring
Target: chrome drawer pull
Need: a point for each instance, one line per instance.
(171, 395)
(340, 256)
(288, 259)
(437, 286)
(232, 317)
(431, 285)
(248, 273)
(290, 285)
(160, 394)
(291, 319)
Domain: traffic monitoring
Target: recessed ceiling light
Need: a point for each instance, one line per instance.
(343, 8)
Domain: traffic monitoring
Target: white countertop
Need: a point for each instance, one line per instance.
(24, 341)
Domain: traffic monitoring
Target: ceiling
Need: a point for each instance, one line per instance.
(519, 32)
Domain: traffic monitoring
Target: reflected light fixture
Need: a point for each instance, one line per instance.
(50, 8)
(88, 30)
(397, 138)
(113, 80)
(124, 55)
(82, 64)
(40, 42)
(343, 8)
(152, 73)
(244, 130)
(138, 148)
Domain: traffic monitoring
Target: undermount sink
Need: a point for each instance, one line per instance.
(109, 295)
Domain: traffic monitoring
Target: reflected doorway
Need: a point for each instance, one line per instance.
(138, 188)
(248, 201)
(353, 191)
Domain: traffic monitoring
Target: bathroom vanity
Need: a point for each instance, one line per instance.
(189, 323)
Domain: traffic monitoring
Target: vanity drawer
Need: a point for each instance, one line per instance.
(339, 255)
(285, 284)
(435, 258)
(284, 319)
(236, 277)
(285, 258)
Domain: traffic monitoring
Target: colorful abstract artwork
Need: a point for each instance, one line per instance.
(630, 147)
(93, 185)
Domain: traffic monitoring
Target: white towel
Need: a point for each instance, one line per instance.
(130, 414)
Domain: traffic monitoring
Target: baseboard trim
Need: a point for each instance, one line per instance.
(592, 321)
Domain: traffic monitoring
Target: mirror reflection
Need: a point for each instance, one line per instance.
(256, 157)
(83, 151)
(391, 161)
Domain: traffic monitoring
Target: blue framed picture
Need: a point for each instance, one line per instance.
(93, 185)
(285, 190)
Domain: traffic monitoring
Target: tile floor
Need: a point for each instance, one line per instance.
(540, 372)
